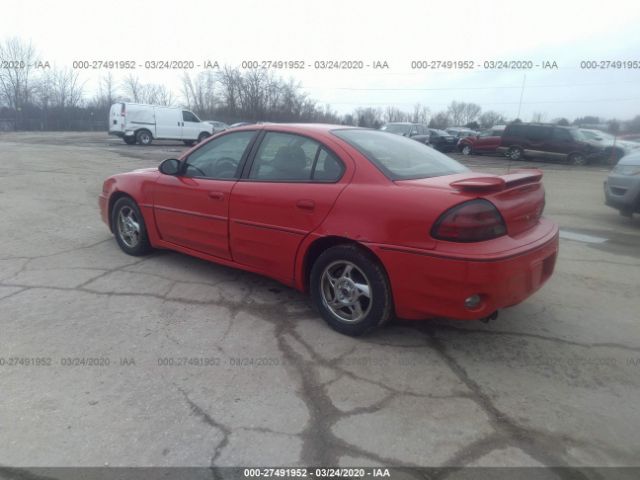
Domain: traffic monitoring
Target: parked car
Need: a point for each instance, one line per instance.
(415, 131)
(139, 123)
(487, 141)
(442, 141)
(613, 149)
(218, 126)
(370, 223)
(548, 141)
(461, 132)
(240, 124)
(622, 186)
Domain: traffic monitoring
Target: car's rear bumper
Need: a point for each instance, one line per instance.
(429, 285)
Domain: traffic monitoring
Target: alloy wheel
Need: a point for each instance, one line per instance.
(128, 227)
(346, 291)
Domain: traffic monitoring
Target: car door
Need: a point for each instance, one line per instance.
(168, 123)
(191, 127)
(192, 209)
(285, 193)
(559, 144)
(486, 142)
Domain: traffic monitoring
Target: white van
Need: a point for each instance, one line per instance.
(136, 122)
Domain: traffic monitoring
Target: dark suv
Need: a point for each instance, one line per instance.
(548, 141)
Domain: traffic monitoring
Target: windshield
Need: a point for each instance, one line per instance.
(400, 158)
(397, 128)
(440, 132)
(578, 135)
(591, 135)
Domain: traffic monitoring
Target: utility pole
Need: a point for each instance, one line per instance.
(524, 79)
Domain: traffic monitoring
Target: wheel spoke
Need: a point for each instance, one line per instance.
(363, 290)
(347, 271)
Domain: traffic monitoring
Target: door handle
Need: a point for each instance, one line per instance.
(306, 204)
(216, 195)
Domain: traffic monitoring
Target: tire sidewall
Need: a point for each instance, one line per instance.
(143, 245)
(382, 303)
(466, 150)
(139, 137)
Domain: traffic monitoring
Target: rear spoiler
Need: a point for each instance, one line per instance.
(499, 182)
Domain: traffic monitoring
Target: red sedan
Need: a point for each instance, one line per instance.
(370, 223)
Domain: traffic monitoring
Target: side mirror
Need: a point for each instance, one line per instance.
(171, 166)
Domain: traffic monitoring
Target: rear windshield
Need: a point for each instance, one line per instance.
(398, 157)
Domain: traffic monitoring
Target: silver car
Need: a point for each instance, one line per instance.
(622, 186)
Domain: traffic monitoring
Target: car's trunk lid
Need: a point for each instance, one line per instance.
(518, 196)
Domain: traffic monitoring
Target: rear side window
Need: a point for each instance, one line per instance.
(537, 132)
(288, 157)
(562, 135)
(399, 158)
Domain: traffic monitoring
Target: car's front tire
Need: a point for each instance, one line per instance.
(203, 136)
(466, 150)
(129, 228)
(350, 289)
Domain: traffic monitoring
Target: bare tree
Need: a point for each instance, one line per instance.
(470, 113)
(490, 118)
(107, 91)
(456, 112)
(394, 114)
(132, 88)
(538, 117)
(61, 88)
(17, 58)
(440, 120)
(420, 114)
(369, 117)
(199, 91)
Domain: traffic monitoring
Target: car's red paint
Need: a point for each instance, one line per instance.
(270, 227)
(487, 142)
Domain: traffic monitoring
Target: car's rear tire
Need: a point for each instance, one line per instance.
(188, 143)
(144, 137)
(515, 153)
(466, 150)
(577, 159)
(350, 289)
(129, 228)
(129, 140)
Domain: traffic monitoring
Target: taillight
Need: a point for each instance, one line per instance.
(472, 221)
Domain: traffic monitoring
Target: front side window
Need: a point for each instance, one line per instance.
(219, 158)
(187, 116)
(292, 158)
(398, 157)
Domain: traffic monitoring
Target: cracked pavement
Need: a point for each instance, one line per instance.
(553, 381)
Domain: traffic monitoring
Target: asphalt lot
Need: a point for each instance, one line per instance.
(553, 381)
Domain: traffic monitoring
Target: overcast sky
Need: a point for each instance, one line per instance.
(398, 32)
